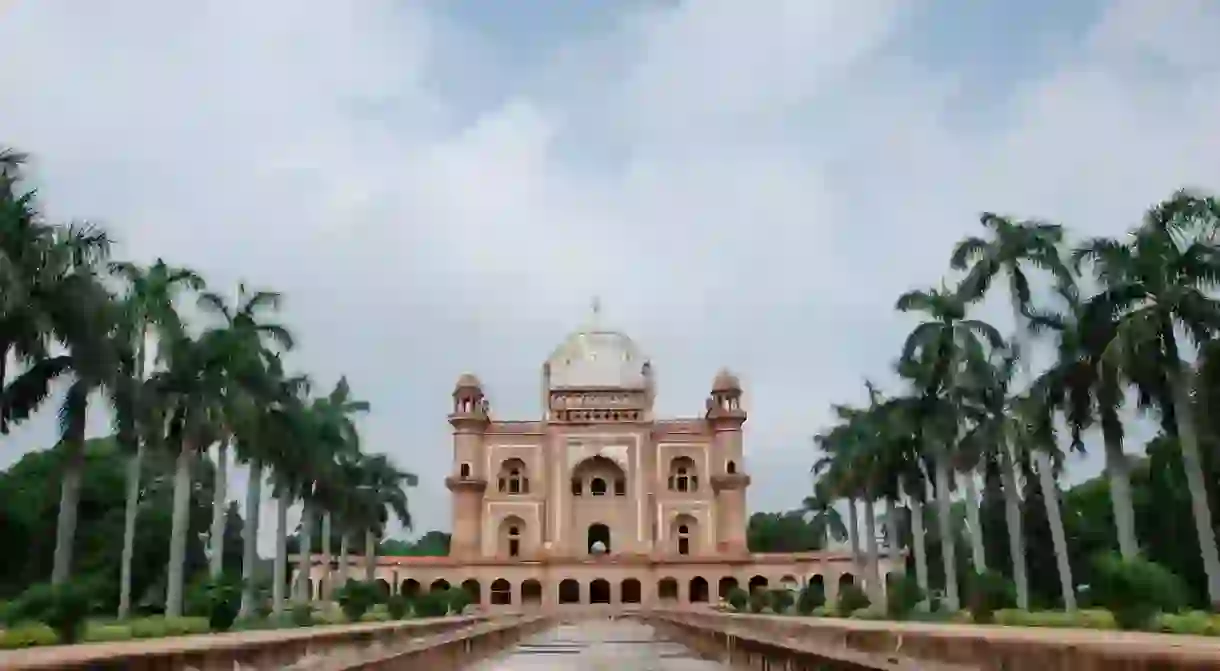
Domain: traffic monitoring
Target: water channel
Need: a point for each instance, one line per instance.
(598, 645)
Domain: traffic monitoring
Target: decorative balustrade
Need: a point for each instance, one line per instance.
(435, 644)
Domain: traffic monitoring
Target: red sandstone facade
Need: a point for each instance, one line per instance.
(600, 502)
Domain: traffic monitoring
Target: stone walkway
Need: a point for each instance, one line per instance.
(596, 645)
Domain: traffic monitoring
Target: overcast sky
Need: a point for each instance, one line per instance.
(441, 185)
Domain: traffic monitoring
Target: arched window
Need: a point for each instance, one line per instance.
(682, 530)
(620, 487)
(597, 487)
(576, 488)
(514, 477)
(730, 467)
(511, 537)
(464, 470)
(683, 477)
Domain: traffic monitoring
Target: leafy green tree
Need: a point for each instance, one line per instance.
(783, 532)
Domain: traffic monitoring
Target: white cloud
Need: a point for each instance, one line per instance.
(748, 184)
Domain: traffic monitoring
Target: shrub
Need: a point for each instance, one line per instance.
(433, 603)
(375, 616)
(398, 606)
(356, 597)
(157, 627)
(759, 599)
(903, 597)
(457, 599)
(812, 597)
(218, 600)
(27, 635)
(1135, 590)
(739, 599)
(851, 599)
(988, 592)
(64, 608)
(1088, 619)
(301, 615)
(106, 633)
(1195, 622)
(823, 611)
(781, 599)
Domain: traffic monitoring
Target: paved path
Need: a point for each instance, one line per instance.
(594, 645)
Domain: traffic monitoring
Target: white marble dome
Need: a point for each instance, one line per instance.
(597, 358)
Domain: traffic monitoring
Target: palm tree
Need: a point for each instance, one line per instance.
(150, 304)
(821, 512)
(936, 354)
(379, 491)
(23, 237)
(1156, 281)
(275, 428)
(993, 436)
(338, 410)
(248, 341)
(1013, 246)
(188, 395)
(1088, 390)
(835, 471)
(72, 307)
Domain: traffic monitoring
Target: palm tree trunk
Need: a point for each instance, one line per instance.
(180, 527)
(326, 572)
(875, 587)
(219, 507)
(249, 537)
(341, 579)
(279, 575)
(1119, 471)
(1183, 410)
(1050, 497)
(69, 500)
(131, 508)
(978, 554)
(853, 533)
(920, 541)
(948, 549)
(892, 530)
(370, 556)
(1012, 519)
(304, 590)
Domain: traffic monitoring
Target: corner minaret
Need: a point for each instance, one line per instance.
(470, 417)
(726, 417)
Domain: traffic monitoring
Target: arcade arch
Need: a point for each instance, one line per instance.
(473, 589)
(629, 591)
(501, 592)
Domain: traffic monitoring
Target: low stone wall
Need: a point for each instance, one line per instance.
(440, 643)
(763, 641)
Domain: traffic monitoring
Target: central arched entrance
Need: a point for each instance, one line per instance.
(598, 533)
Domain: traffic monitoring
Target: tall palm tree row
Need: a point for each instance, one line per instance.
(114, 331)
(1124, 318)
